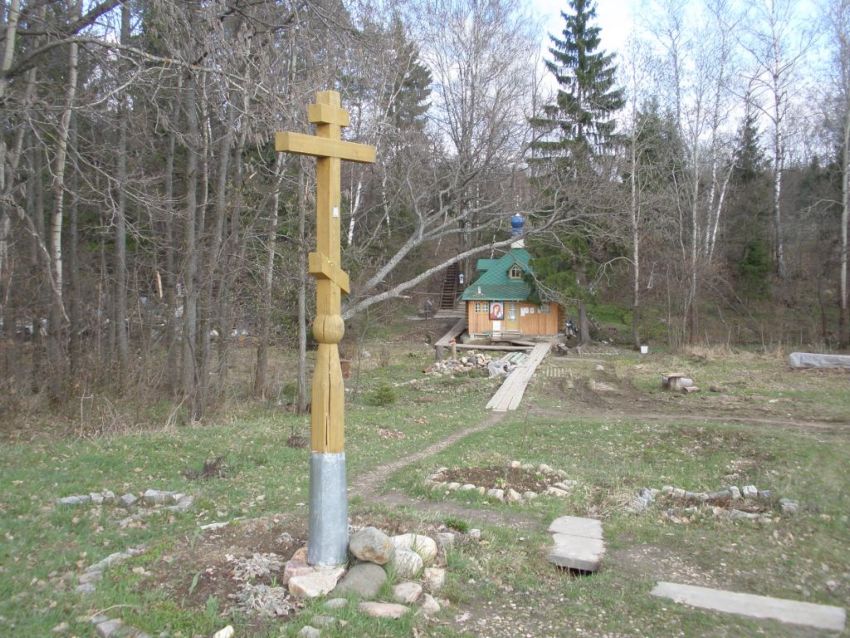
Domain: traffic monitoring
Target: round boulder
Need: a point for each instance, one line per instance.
(364, 580)
(407, 563)
(425, 546)
(372, 545)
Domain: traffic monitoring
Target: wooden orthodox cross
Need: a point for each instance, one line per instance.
(328, 544)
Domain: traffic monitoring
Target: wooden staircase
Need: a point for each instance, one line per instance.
(448, 298)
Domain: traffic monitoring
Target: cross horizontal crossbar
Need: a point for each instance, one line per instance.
(323, 267)
(323, 147)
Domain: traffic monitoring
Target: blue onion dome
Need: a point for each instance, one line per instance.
(517, 222)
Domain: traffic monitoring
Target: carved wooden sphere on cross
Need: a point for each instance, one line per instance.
(328, 544)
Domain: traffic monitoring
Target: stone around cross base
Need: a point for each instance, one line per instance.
(309, 632)
(364, 580)
(423, 545)
(407, 563)
(373, 545)
(578, 543)
(324, 621)
(430, 606)
(434, 578)
(445, 540)
(383, 610)
(293, 568)
(318, 583)
(336, 603)
(407, 592)
(787, 611)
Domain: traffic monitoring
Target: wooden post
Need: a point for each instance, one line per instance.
(328, 544)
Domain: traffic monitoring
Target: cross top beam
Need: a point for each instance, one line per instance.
(329, 118)
(328, 498)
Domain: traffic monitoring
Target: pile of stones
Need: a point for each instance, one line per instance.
(150, 502)
(559, 485)
(719, 501)
(417, 561)
(461, 365)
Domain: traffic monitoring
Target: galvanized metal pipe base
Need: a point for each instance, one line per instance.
(328, 544)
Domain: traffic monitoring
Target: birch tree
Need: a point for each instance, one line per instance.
(776, 46)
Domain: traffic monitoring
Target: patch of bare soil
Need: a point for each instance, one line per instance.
(219, 564)
(502, 478)
(653, 562)
(606, 395)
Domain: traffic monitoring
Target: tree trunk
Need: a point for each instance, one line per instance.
(583, 324)
(75, 349)
(57, 316)
(779, 246)
(190, 294)
(121, 337)
(212, 271)
(635, 224)
(39, 264)
(261, 371)
(6, 277)
(844, 314)
(172, 322)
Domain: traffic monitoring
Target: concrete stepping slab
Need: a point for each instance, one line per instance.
(578, 543)
(786, 611)
(577, 526)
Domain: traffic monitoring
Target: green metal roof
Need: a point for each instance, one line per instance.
(484, 264)
(495, 284)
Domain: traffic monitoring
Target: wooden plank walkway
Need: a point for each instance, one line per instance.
(454, 331)
(509, 395)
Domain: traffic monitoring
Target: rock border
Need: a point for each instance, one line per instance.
(155, 500)
(646, 496)
(561, 488)
(94, 573)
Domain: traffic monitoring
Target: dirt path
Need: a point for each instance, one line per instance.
(368, 485)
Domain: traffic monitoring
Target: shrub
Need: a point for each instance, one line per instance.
(383, 395)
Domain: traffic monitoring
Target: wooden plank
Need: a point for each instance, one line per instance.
(509, 395)
(454, 331)
(323, 147)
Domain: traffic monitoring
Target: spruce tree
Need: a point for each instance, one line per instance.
(749, 236)
(579, 125)
(411, 88)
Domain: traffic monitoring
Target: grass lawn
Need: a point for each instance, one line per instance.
(610, 429)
